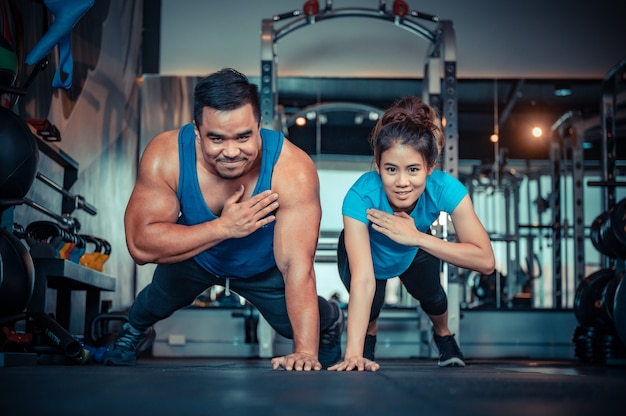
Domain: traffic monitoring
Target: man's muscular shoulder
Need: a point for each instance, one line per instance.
(295, 172)
(166, 140)
(160, 156)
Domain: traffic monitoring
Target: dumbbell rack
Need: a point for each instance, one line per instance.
(65, 277)
(62, 275)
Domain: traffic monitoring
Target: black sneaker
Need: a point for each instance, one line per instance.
(330, 339)
(449, 353)
(129, 344)
(369, 347)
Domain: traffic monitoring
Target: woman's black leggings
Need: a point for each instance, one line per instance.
(421, 280)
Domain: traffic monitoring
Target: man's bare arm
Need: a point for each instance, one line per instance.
(296, 236)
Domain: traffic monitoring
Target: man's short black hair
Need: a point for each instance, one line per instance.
(225, 90)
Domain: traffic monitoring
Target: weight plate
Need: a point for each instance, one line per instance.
(608, 296)
(594, 232)
(608, 231)
(619, 310)
(588, 298)
(618, 221)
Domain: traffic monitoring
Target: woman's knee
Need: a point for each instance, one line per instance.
(436, 304)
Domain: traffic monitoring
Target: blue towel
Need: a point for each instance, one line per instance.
(66, 14)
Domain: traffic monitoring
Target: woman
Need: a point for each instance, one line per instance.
(387, 214)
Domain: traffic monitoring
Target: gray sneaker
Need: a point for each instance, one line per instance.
(129, 344)
(449, 352)
(330, 339)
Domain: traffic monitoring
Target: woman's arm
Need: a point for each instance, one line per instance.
(471, 250)
(362, 288)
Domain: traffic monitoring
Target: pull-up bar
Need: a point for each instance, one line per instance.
(439, 85)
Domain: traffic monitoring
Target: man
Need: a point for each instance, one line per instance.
(222, 201)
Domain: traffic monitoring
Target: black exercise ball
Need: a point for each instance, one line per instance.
(17, 275)
(19, 156)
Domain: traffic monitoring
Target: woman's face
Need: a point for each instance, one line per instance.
(403, 171)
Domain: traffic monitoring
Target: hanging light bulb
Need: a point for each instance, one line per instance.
(495, 137)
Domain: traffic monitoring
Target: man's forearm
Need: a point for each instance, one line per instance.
(303, 311)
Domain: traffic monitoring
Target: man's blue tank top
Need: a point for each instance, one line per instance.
(240, 257)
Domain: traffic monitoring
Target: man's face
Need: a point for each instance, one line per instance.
(230, 141)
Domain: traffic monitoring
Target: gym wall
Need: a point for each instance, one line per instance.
(98, 119)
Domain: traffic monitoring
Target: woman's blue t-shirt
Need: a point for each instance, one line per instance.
(442, 193)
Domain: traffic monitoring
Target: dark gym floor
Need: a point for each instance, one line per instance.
(184, 386)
